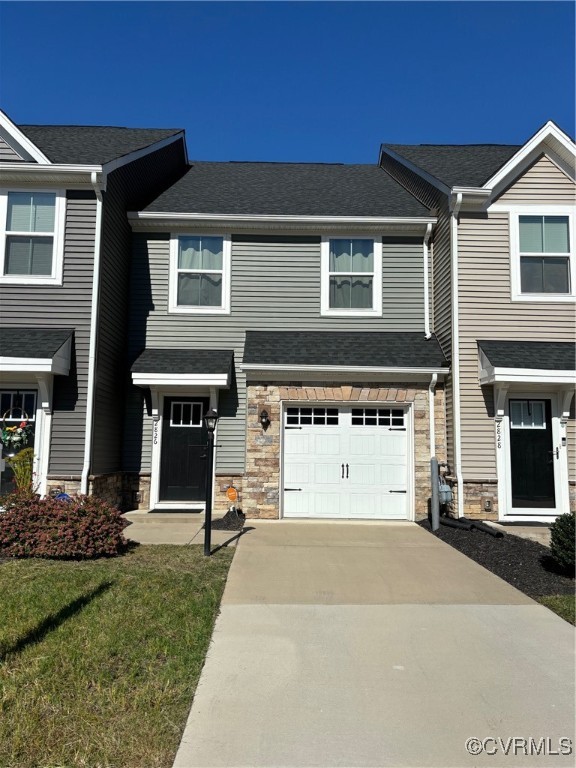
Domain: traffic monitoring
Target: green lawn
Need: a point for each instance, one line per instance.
(563, 605)
(99, 660)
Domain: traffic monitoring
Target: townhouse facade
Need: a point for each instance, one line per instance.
(64, 264)
(347, 322)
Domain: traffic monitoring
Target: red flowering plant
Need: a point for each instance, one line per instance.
(16, 436)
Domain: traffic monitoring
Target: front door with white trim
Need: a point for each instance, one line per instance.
(535, 457)
(346, 462)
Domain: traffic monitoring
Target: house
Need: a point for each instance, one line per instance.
(64, 267)
(296, 300)
(504, 287)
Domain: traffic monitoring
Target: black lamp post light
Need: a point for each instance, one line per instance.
(210, 421)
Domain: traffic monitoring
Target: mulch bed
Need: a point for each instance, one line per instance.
(525, 564)
(232, 521)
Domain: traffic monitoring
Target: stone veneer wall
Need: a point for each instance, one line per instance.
(572, 493)
(109, 487)
(476, 493)
(261, 486)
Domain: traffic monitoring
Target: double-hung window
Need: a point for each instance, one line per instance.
(32, 238)
(200, 274)
(351, 276)
(543, 253)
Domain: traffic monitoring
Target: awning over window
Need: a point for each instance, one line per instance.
(530, 362)
(343, 352)
(35, 350)
(181, 367)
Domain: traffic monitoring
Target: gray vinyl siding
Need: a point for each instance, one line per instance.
(7, 154)
(487, 312)
(66, 306)
(128, 188)
(542, 175)
(275, 286)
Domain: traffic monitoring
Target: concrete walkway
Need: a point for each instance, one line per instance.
(173, 528)
(376, 645)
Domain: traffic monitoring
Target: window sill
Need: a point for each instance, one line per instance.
(350, 313)
(29, 281)
(548, 298)
(199, 311)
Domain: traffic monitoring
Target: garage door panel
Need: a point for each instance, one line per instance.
(338, 464)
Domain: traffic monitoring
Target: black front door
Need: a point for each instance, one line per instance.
(183, 459)
(531, 455)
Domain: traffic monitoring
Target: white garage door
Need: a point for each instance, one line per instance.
(346, 462)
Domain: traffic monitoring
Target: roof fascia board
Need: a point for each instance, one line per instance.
(415, 169)
(13, 135)
(142, 221)
(495, 375)
(548, 132)
(131, 157)
(181, 379)
(347, 369)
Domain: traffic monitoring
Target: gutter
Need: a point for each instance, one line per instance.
(456, 204)
(425, 253)
(93, 339)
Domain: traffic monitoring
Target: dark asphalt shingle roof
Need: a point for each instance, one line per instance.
(91, 144)
(192, 361)
(457, 165)
(543, 355)
(297, 189)
(32, 342)
(343, 348)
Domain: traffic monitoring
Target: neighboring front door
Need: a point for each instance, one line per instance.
(183, 457)
(533, 457)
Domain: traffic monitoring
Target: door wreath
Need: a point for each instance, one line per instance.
(18, 435)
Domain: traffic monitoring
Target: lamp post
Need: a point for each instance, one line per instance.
(210, 420)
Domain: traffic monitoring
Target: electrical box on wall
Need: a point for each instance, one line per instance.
(487, 505)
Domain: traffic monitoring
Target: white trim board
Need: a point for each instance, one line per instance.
(220, 380)
(12, 135)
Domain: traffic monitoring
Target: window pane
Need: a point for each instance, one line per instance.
(340, 292)
(531, 274)
(189, 255)
(531, 234)
(211, 290)
(556, 279)
(556, 234)
(28, 255)
(362, 256)
(516, 413)
(537, 408)
(212, 248)
(189, 290)
(340, 260)
(31, 212)
(361, 297)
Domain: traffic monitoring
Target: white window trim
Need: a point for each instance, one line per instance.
(325, 309)
(515, 277)
(173, 307)
(55, 278)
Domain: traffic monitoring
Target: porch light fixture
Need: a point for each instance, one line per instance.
(210, 420)
(264, 419)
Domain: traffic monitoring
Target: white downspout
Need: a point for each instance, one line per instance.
(93, 333)
(431, 390)
(425, 253)
(456, 352)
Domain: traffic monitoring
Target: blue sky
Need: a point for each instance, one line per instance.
(324, 82)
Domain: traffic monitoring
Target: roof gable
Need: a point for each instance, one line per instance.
(21, 145)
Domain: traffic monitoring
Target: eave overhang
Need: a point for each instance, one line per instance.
(218, 380)
(142, 221)
(337, 372)
(52, 175)
(58, 364)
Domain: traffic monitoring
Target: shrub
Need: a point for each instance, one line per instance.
(22, 465)
(81, 529)
(562, 537)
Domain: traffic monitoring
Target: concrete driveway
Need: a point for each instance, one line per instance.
(377, 645)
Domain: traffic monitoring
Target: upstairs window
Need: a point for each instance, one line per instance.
(32, 240)
(351, 276)
(543, 255)
(200, 274)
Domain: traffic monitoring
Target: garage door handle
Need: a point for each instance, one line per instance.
(342, 471)
(292, 489)
(347, 468)
(396, 491)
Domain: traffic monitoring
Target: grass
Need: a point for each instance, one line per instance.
(563, 605)
(99, 660)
